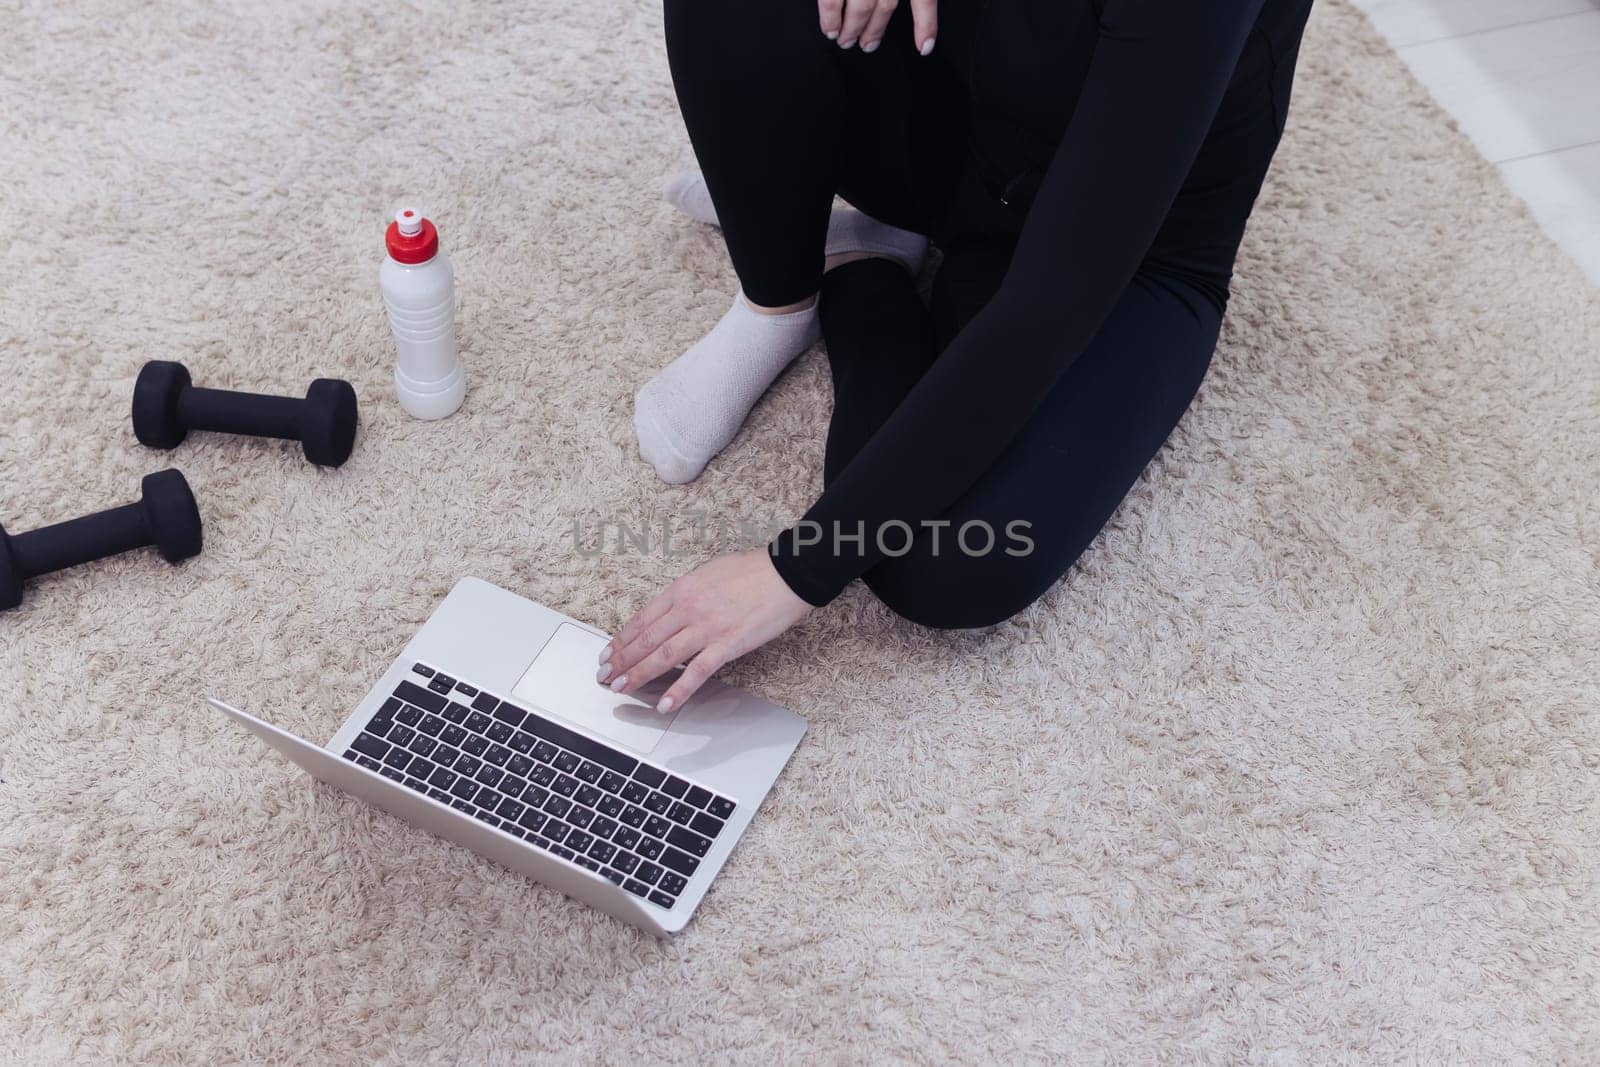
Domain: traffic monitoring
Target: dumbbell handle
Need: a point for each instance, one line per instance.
(227, 411)
(91, 537)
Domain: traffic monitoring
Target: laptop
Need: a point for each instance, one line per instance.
(492, 731)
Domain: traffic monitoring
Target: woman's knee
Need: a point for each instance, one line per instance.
(957, 591)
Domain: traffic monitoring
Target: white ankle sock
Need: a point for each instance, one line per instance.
(848, 229)
(691, 410)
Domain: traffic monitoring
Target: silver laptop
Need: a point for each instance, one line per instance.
(491, 731)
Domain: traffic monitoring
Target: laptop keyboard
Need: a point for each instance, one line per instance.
(643, 828)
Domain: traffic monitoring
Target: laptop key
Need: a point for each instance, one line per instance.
(626, 836)
(402, 735)
(498, 732)
(633, 816)
(612, 782)
(485, 703)
(659, 803)
(648, 873)
(497, 755)
(478, 722)
(463, 806)
(611, 806)
(635, 792)
(350, 754)
(543, 774)
(368, 745)
(675, 787)
(422, 746)
(466, 690)
(587, 863)
(420, 768)
(533, 820)
(512, 786)
(616, 877)
(453, 735)
(689, 841)
(423, 669)
(600, 850)
(579, 841)
(603, 827)
(650, 848)
(442, 684)
(650, 776)
(671, 883)
(464, 789)
(509, 809)
(556, 831)
(486, 817)
(660, 899)
(519, 765)
(625, 862)
(455, 711)
(445, 756)
(681, 813)
(443, 779)
(706, 824)
(564, 785)
(510, 714)
(409, 715)
(369, 763)
(535, 796)
(567, 761)
(397, 758)
(656, 826)
(588, 795)
(467, 766)
(390, 772)
(636, 887)
(415, 694)
(476, 744)
(558, 806)
(544, 751)
(681, 862)
(431, 725)
(439, 795)
(490, 775)
(418, 784)
(589, 772)
(514, 831)
(520, 742)
(697, 795)
(580, 816)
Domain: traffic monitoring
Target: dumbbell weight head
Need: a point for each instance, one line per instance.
(328, 425)
(155, 404)
(10, 576)
(172, 515)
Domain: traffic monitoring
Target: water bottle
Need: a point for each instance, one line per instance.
(419, 290)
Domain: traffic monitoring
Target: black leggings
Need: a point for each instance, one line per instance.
(781, 121)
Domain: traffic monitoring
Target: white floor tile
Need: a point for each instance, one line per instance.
(1520, 90)
(1406, 22)
(1563, 190)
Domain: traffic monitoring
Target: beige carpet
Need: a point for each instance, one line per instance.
(1300, 763)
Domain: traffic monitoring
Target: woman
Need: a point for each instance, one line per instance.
(1085, 167)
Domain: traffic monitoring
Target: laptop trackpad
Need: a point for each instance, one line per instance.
(561, 682)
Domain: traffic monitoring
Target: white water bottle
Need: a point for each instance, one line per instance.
(419, 290)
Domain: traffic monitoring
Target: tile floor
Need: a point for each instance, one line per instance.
(1523, 79)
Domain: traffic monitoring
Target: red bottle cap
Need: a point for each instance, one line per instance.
(411, 238)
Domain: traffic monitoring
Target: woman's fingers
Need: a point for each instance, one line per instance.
(830, 13)
(872, 35)
(681, 646)
(924, 24)
(702, 667)
(645, 641)
(658, 606)
(856, 14)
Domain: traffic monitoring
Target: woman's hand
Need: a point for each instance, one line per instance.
(849, 21)
(711, 615)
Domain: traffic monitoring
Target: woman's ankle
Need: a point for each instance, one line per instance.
(786, 309)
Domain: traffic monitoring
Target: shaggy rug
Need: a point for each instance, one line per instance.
(1300, 762)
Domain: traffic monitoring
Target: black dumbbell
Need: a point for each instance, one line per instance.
(165, 517)
(166, 406)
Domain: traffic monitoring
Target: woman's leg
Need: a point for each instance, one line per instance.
(780, 120)
(1052, 491)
